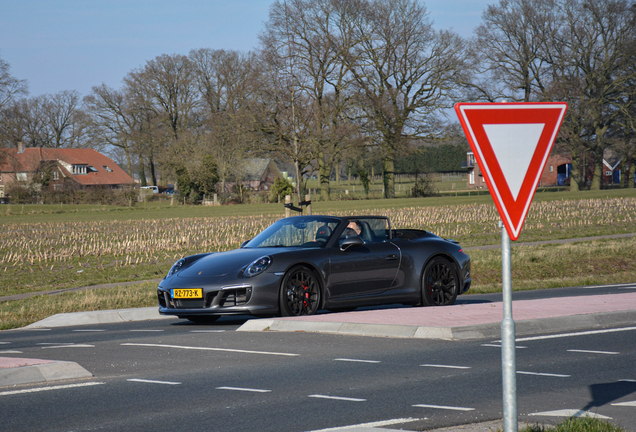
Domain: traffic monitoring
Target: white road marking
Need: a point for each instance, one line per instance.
(89, 330)
(39, 389)
(593, 352)
(337, 398)
(630, 403)
(371, 425)
(146, 330)
(627, 380)
(357, 360)
(153, 381)
(609, 286)
(544, 374)
(499, 346)
(4, 343)
(584, 333)
(446, 366)
(69, 346)
(569, 413)
(210, 349)
(207, 331)
(35, 329)
(444, 407)
(54, 343)
(10, 352)
(244, 389)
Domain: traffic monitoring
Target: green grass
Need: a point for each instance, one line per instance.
(19, 313)
(578, 424)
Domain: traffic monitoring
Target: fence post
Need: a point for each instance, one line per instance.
(308, 199)
(287, 201)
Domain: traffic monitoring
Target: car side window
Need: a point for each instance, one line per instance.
(372, 230)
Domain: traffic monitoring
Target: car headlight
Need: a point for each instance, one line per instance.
(258, 266)
(176, 267)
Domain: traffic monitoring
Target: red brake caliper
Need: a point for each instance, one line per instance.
(305, 287)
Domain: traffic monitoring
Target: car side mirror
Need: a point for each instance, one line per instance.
(351, 241)
(244, 243)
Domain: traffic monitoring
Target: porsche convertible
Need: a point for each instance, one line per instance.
(304, 264)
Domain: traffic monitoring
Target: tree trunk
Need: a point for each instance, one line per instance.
(389, 176)
(142, 174)
(153, 174)
(597, 178)
(575, 175)
(324, 174)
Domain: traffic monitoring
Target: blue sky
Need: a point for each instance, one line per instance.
(76, 44)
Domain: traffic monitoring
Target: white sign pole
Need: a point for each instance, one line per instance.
(508, 359)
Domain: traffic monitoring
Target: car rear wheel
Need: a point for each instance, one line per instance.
(300, 293)
(440, 284)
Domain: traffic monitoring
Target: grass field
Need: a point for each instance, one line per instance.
(51, 247)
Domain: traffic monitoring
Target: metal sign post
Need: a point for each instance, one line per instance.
(508, 358)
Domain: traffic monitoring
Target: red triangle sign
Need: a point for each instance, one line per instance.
(512, 143)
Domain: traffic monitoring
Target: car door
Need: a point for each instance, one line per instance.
(363, 270)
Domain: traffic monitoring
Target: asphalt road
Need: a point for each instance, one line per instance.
(173, 375)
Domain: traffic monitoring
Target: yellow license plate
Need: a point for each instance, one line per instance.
(191, 293)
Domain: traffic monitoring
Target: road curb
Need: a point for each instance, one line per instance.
(15, 371)
(532, 327)
(99, 317)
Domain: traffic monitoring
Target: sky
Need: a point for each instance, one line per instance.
(61, 45)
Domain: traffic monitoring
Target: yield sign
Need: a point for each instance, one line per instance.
(512, 143)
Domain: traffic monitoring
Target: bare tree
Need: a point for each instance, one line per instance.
(592, 61)
(508, 50)
(166, 86)
(316, 34)
(226, 81)
(113, 119)
(10, 87)
(405, 72)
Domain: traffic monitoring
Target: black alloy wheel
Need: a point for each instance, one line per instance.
(440, 284)
(300, 293)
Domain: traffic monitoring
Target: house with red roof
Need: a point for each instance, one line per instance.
(60, 168)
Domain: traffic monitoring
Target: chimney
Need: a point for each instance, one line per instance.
(21, 147)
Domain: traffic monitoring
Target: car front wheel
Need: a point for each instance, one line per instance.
(440, 284)
(300, 293)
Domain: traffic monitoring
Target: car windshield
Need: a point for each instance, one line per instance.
(296, 232)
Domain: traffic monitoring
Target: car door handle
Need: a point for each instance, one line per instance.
(391, 257)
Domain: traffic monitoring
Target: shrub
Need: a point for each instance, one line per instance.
(280, 188)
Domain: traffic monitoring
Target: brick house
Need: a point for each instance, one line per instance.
(59, 169)
(476, 179)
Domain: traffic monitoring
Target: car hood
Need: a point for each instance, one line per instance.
(221, 264)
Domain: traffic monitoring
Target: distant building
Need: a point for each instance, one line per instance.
(557, 170)
(255, 173)
(62, 168)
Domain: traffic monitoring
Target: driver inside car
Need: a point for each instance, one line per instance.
(354, 229)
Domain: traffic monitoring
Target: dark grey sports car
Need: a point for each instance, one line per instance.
(303, 264)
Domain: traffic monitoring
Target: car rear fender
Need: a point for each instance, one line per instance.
(450, 258)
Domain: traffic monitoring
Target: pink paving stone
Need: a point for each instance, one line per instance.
(11, 362)
(483, 313)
